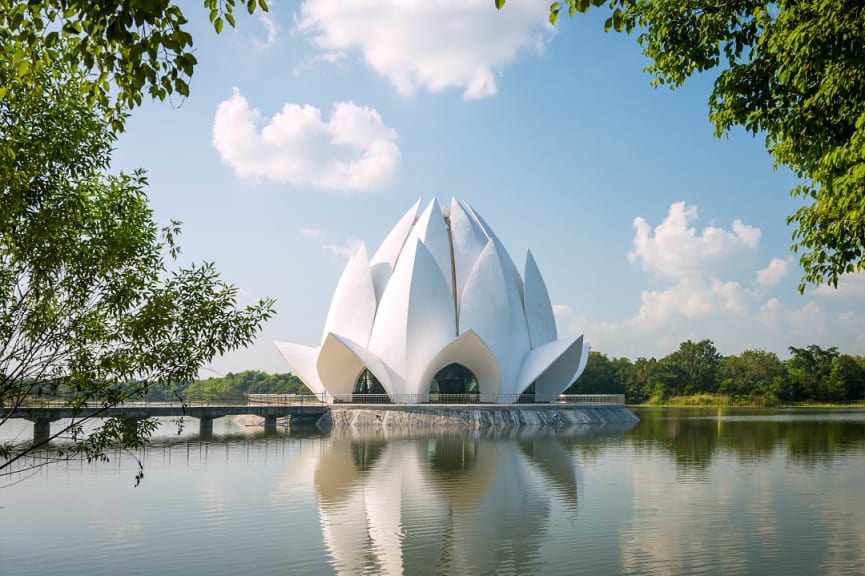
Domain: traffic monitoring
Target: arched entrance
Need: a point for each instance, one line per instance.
(454, 384)
(369, 389)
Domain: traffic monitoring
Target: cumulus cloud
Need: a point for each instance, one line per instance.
(431, 44)
(697, 299)
(691, 298)
(675, 248)
(352, 151)
(776, 271)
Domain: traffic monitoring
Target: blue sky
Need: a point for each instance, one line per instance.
(314, 127)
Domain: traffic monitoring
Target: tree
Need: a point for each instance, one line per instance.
(599, 377)
(793, 70)
(753, 372)
(807, 370)
(92, 310)
(124, 46)
(698, 364)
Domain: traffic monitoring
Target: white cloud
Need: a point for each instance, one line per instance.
(691, 298)
(562, 310)
(699, 301)
(311, 233)
(270, 28)
(345, 250)
(353, 151)
(776, 271)
(430, 44)
(675, 249)
(849, 286)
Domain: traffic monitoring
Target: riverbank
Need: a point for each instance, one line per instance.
(721, 400)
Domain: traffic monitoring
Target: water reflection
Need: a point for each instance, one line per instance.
(448, 503)
(695, 437)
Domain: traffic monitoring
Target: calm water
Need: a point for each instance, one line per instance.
(682, 492)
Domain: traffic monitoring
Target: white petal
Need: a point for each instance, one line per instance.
(552, 367)
(384, 259)
(352, 309)
(491, 306)
(415, 318)
(302, 363)
(539, 309)
(341, 362)
(470, 351)
(468, 243)
(430, 229)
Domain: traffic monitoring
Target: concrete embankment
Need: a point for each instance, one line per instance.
(474, 417)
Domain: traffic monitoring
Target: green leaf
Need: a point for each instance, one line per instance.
(500, 4)
(217, 25)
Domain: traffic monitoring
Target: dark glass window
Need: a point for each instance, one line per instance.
(367, 383)
(454, 383)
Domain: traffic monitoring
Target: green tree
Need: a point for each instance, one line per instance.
(753, 372)
(697, 363)
(845, 381)
(793, 70)
(807, 371)
(599, 377)
(92, 309)
(125, 47)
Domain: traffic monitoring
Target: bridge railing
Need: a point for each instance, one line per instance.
(283, 399)
(310, 399)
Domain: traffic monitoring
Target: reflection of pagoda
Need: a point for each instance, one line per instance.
(446, 504)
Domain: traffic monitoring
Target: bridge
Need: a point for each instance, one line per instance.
(299, 410)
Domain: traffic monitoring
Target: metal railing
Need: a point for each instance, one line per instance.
(311, 399)
(283, 399)
(473, 399)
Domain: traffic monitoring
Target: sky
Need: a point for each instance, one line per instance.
(312, 128)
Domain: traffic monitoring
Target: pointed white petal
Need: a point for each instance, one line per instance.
(469, 241)
(491, 306)
(469, 350)
(539, 309)
(384, 259)
(556, 368)
(430, 229)
(415, 318)
(352, 309)
(301, 361)
(341, 362)
(507, 264)
(540, 360)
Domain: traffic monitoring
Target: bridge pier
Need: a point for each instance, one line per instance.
(205, 427)
(270, 423)
(41, 430)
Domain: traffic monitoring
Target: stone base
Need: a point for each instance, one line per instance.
(475, 417)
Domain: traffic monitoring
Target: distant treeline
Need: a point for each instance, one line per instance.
(811, 374)
(231, 386)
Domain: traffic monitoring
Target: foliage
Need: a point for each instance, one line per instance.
(231, 386)
(793, 70)
(696, 374)
(87, 301)
(125, 47)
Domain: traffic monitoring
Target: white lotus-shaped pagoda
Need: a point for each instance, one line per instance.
(439, 307)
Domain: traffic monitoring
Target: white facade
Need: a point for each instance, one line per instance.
(440, 290)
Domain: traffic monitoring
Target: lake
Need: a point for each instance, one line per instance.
(685, 491)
